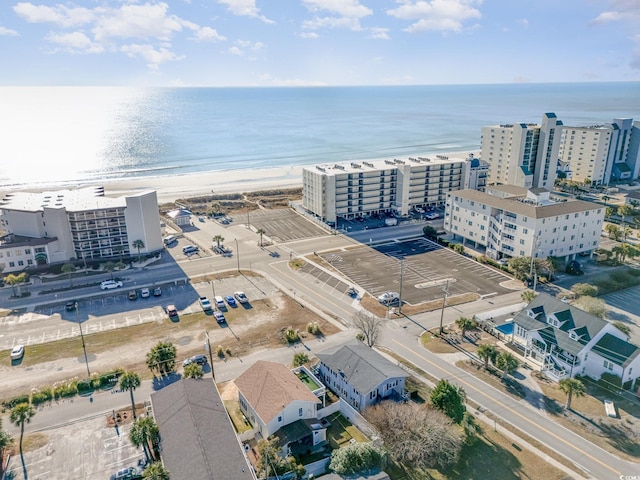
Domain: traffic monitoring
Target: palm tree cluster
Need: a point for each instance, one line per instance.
(161, 359)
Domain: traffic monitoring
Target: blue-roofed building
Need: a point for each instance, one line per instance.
(566, 341)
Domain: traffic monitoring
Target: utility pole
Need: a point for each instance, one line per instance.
(237, 253)
(84, 348)
(533, 275)
(444, 303)
(400, 293)
(207, 347)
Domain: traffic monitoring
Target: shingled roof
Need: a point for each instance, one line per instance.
(616, 350)
(584, 325)
(198, 440)
(269, 387)
(362, 367)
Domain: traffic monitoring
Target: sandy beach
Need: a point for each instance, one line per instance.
(207, 183)
(171, 188)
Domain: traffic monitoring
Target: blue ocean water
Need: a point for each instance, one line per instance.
(52, 136)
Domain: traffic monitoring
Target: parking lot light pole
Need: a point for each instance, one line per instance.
(84, 348)
(213, 287)
(444, 303)
(400, 293)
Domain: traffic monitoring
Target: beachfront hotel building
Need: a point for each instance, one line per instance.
(602, 153)
(83, 224)
(523, 154)
(358, 189)
(510, 221)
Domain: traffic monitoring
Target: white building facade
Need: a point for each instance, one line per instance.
(80, 224)
(357, 189)
(523, 154)
(515, 222)
(602, 153)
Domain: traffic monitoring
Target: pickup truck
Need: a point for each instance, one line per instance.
(205, 303)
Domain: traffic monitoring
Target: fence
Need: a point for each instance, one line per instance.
(358, 420)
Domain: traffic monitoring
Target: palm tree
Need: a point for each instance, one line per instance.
(109, 267)
(487, 352)
(21, 414)
(144, 433)
(130, 381)
(465, 324)
(6, 441)
(138, 245)
(193, 370)
(68, 268)
(572, 387)
(155, 471)
(605, 199)
(260, 232)
(218, 239)
(527, 296)
(507, 363)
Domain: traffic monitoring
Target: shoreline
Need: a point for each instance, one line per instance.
(171, 188)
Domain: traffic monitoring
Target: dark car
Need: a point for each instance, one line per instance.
(574, 268)
(130, 473)
(198, 359)
(71, 306)
(157, 292)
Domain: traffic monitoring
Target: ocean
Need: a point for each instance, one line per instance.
(65, 136)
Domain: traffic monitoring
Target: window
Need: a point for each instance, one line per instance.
(300, 412)
(27, 251)
(12, 264)
(279, 418)
(608, 365)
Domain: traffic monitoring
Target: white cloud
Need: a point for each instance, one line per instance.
(379, 33)
(153, 56)
(342, 14)
(7, 32)
(60, 15)
(106, 28)
(436, 15)
(245, 8)
(241, 47)
(75, 42)
(309, 35)
(628, 10)
(344, 8)
(265, 78)
(236, 51)
(205, 34)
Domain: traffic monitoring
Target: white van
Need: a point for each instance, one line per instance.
(189, 249)
(219, 302)
(168, 240)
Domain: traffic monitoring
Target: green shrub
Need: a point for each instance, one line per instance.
(44, 395)
(291, 335)
(86, 386)
(12, 402)
(66, 390)
(313, 328)
(220, 351)
(608, 380)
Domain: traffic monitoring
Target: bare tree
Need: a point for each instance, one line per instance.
(369, 326)
(434, 440)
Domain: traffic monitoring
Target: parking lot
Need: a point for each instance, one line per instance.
(114, 310)
(427, 267)
(81, 450)
(282, 225)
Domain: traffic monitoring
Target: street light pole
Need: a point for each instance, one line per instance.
(213, 287)
(84, 348)
(444, 303)
(237, 253)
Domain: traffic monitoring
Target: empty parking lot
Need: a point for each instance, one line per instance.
(282, 225)
(426, 269)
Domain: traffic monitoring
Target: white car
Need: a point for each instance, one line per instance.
(241, 297)
(388, 298)
(205, 303)
(17, 352)
(432, 216)
(144, 293)
(109, 284)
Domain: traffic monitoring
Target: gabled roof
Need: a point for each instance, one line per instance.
(616, 350)
(585, 325)
(198, 440)
(270, 387)
(361, 366)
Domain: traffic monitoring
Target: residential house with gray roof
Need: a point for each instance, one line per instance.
(567, 341)
(360, 375)
(198, 441)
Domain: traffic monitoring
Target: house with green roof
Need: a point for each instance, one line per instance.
(566, 341)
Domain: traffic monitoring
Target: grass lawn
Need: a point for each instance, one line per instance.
(435, 344)
(341, 431)
(308, 381)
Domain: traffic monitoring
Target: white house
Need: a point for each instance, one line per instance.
(360, 375)
(272, 397)
(566, 341)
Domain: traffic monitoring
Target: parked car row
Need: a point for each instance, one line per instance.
(144, 293)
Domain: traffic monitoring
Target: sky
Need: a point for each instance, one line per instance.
(318, 42)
